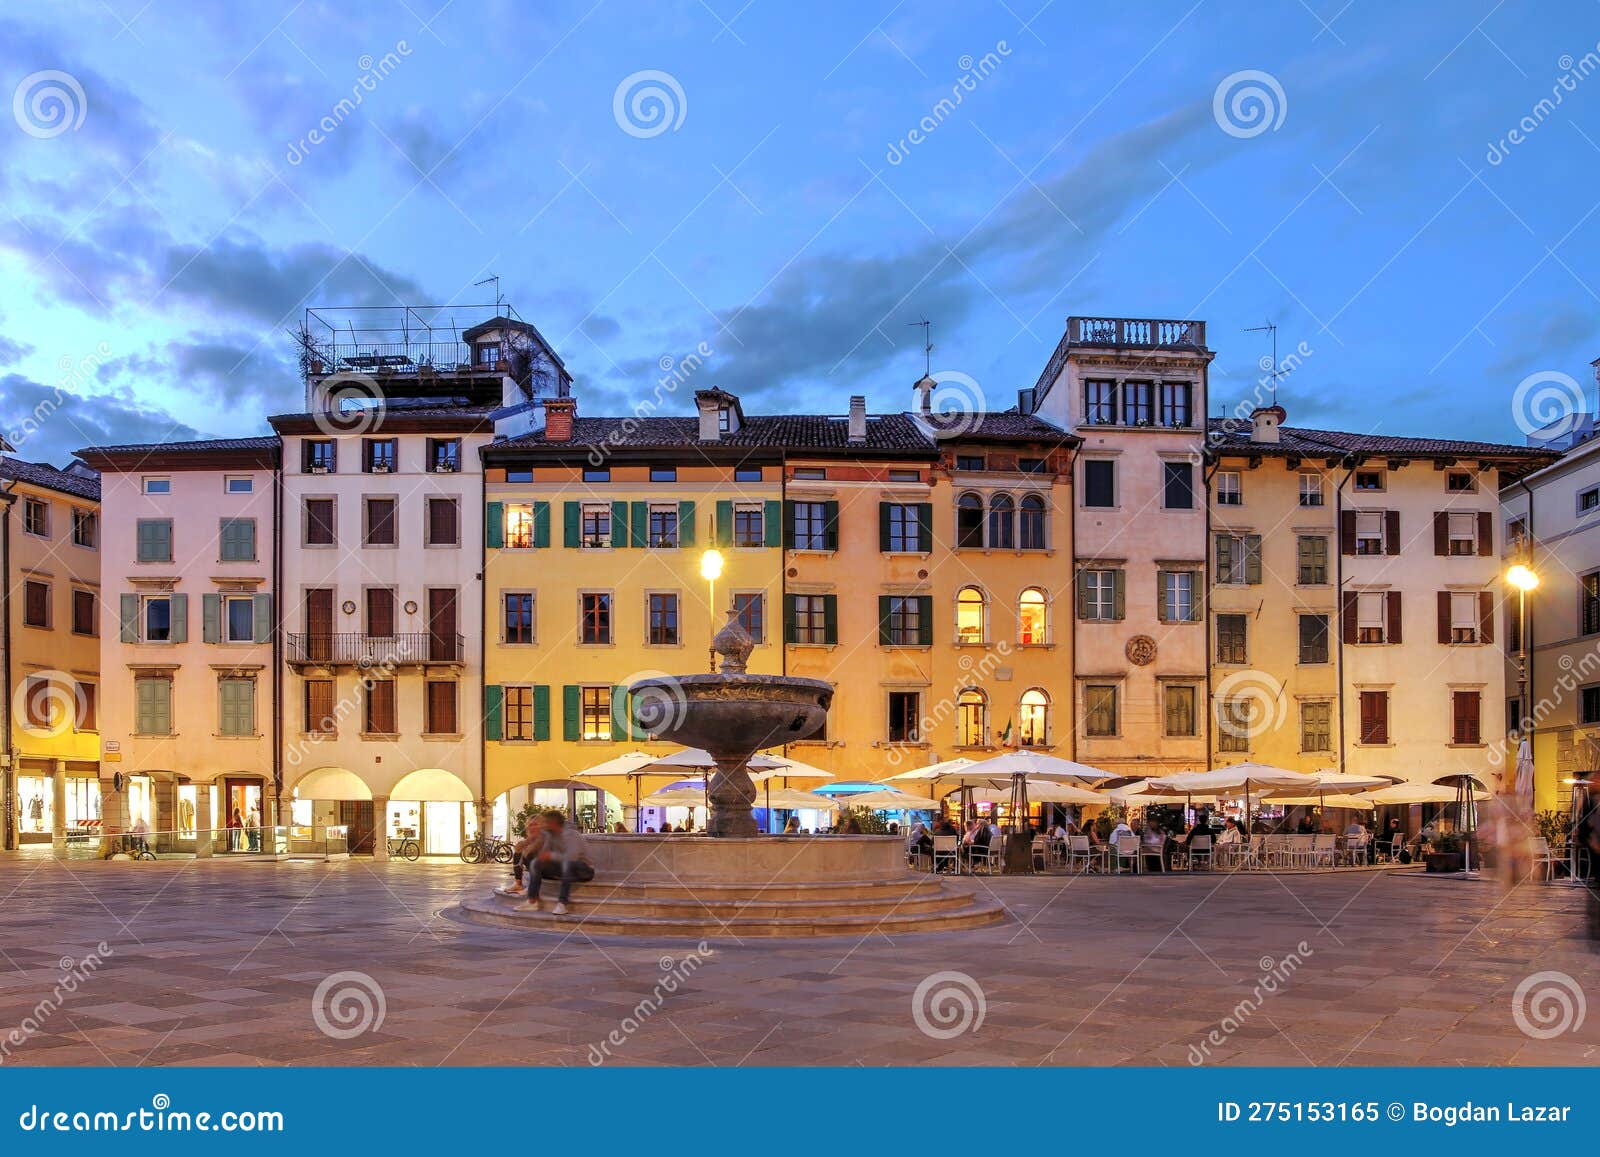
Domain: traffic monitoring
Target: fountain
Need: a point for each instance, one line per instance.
(734, 881)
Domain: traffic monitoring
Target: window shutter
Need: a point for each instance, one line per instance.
(685, 524)
(1391, 532)
(128, 612)
(1485, 616)
(1347, 532)
(883, 527)
(830, 524)
(541, 711)
(180, 618)
(1391, 601)
(1161, 596)
(619, 524)
(830, 619)
(1119, 594)
(1485, 533)
(1083, 595)
(1348, 620)
(724, 522)
(541, 524)
(772, 522)
(261, 608)
(925, 620)
(1444, 616)
(925, 526)
(1224, 558)
(571, 719)
(639, 524)
(883, 620)
(788, 619)
(494, 525)
(1441, 533)
(621, 718)
(211, 618)
(1252, 558)
(788, 523)
(571, 524)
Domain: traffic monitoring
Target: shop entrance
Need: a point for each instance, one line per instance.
(356, 814)
(241, 811)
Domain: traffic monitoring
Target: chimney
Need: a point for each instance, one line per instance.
(559, 414)
(925, 389)
(858, 419)
(1264, 423)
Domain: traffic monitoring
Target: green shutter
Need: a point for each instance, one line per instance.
(494, 525)
(788, 618)
(211, 618)
(830, 619)
(237, 716)
(128, 612)
(724, 523)
(925, 620)
(925, 526)
(262, 609)
(884, 604)
(571, 524)
(619, 524)
(883, 526)
(153, 706)
(621, 720)
(685, 524)
(541, 711)
(1224, 558)
(571, 709)
(1252, 558)
(1119, 595)
(1083, 594)
(541, 525)
(830, 524)
(772, 522)
(180, 618)
(155, 540)
(788, 523)
(493, 697)
(639, 524)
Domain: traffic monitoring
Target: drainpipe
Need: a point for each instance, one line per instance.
(1072, 599)
(8, 785)
(1338, 591)
(1205, 570)
(485, 814)
(277, 642)
(1525, 628)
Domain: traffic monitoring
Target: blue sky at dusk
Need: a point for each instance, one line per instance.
(153, 257)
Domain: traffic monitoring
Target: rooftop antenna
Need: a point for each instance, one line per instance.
(494, 277)
(927, 344)
(1275, 372)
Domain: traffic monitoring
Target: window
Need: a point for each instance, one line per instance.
(663, 473)
(156, 485)
(1033, 718)
(972, 718)
(810, 619)
(85, 620)
(158, 619)
(597, 474)
(319, 522)
(514, 475)
(1233, 639)
(663, 527)
(1313, 638)
(594, 618)
(1460, 482)
(237, 539)
(1099, 595)
(1002, 524)
(1177, 486)
(1236, 720)
(378, 455)
(320, 717)
(236, 714)
(1316, 726)
(744, 473)
(40, 707)
(35, 603)
(905, 716)
(152, 698)
(810, 526)
(1031, 524)
(441, 708)
(595, 713)
(1178, 711)
(1099, 483)
(1100, 709)
(1178, 603)
(970, 462)
(663, 619)
(1227, 489)
(1589, 500)
(1238, 558)
(1464, 713)
(1136, 403)
(1589, 705)
(1033, 618)
(749, 527)
(1031, 465)
(1369, 480)
(1372, 617)
(751, 607)
(1463, 534)
(1099, 403)
(519, 526)
(239, 619)
(907, 475)
(1311, 552)
(1176, 404)
(724, 420)
(318, 456)
(1516, 536)
(1464, 612)
(380, 612)
(85, 528)
(444, 522)
(486, 353)
(971, 612)
(380, 718)
(969, 521)
(810, 473)
(903, 620)
(596, 526)
(904, 527)
(1369, 532)
(238, 484)
(444, 455)
(88, 706)
(380, 522)
(154, 539)
(516, 714)
(1310, 489)
(517, 617)
(1590, 600)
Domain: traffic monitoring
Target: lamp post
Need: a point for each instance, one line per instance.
(1524, 580)
(711, 570)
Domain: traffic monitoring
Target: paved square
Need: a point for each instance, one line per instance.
(220, 963)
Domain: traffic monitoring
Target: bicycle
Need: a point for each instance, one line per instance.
(485, 850)
(405, 847)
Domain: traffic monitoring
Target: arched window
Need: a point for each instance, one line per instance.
(1002, 522)
(1033, 722)
(969, 521)
(1031, 523)
(972, 718)
(1033, 622)
(971, 610)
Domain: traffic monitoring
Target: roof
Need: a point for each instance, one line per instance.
(1001, 426)
(1232, 435)
(200, 454)
(47, 476)
(398, 414)
(501, 321)
(200, 446)
(893, 434)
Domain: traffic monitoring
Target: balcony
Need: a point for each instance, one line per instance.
(1136, 333)
(355, 649)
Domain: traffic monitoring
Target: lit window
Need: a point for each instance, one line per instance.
(972, 718)
(971, 608)
(1033, 718)
(1032, 618)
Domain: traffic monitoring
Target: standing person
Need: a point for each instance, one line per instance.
(235, 828)
(252, 825)
(561, 854)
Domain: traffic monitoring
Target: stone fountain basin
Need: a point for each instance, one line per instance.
(731, 714)
(755, 861)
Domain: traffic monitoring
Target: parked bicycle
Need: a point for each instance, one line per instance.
(405, 847)
(486, 850)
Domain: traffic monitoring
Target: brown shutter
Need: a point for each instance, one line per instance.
(380, 612)
(1347, 617)
(319, 521)
(1347, 532)
(1441, 533)
(441, 707)
(1391, 532)
(380, 707)
(1485, 616)
(1485, 533)
(1391, 601)
(441, 522)
(1444, 616)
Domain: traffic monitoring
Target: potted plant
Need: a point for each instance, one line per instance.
(1445, 855)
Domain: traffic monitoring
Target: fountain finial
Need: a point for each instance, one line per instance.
(734, 644)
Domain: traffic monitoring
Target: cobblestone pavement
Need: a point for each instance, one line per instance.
(221, 963)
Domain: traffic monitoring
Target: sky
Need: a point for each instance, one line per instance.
(789, 188)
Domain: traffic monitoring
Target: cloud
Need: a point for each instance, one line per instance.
(47, 424)
(12, 352)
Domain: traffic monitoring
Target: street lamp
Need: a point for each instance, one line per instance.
(711, 570)
(1525, 580)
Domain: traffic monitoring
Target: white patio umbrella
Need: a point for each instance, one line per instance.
(1141, 794)
(1524, 780)
(1044, 791)
(698, 758)
(630, 765)
(933, 771)
(1241, 776)
(1330, 780)
(1363, 802)
(1409, 793)
(889, 799)
(677, 797)
(787, 768)
(1036, 765)
(792, 799)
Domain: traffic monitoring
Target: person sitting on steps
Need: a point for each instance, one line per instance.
(560, 854)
